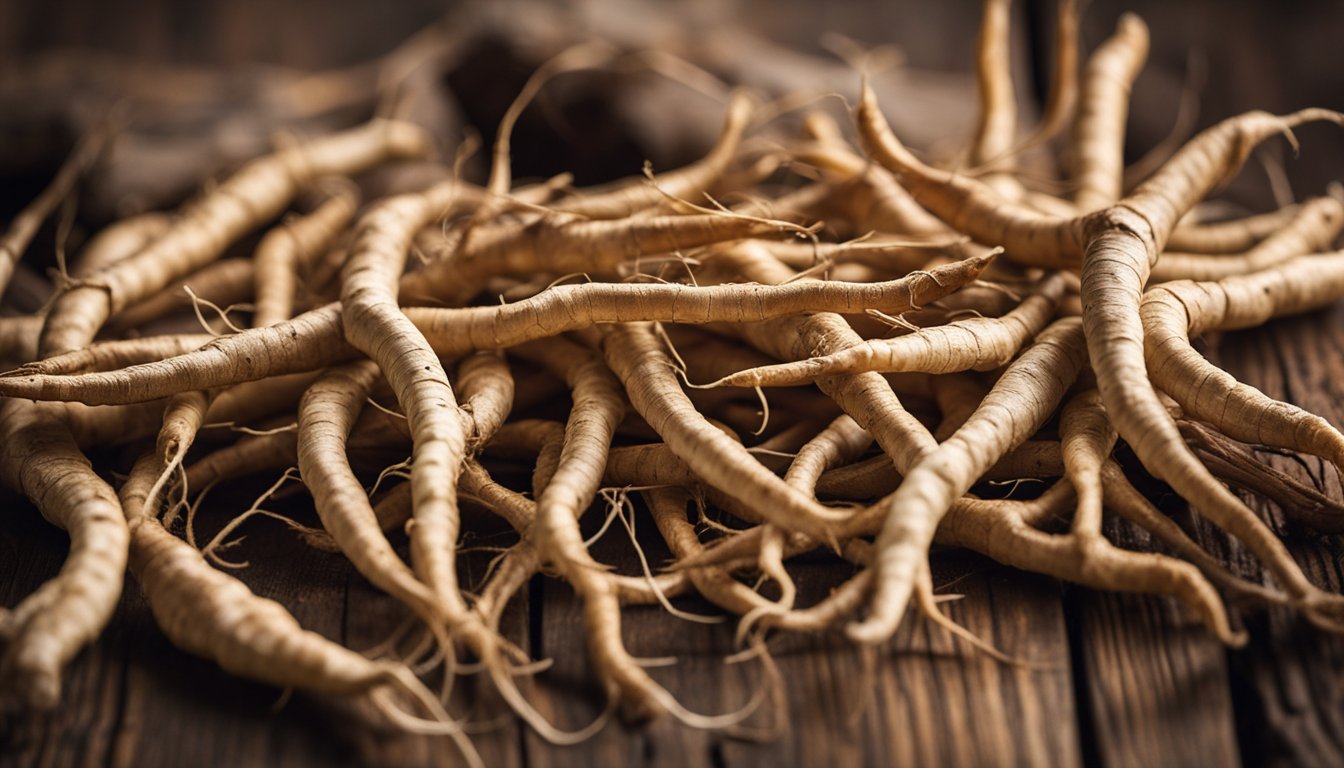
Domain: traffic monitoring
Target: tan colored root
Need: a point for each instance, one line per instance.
(1238, 465)
(224, 283)
(996, 125)
(1063, 96)
(636, 355)
(561, 244)
(1120, 253)
(286, 251)
(957, 395)
(1234, 236)
(255, 194)
(998, 529)
(14, 240)
(626, 197)
(1086, 440)
(867, 397)
(39, 459)
(1172, 312)
(486, 386)
(112, 355)
(119, 240)
(1021, 400)
(974, 344)
(598, 407)
(309, 341)
(213, 615)
(840, 442)
(875, 477)
(1098, 150)
(668, 507)
(969, 206)
(327, 415)
(1314, 228)
(452, 332)
(1125, 500)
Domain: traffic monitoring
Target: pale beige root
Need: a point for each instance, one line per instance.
(213, 615)
(100, 426)
(183, 416)
(969, 206)
(997, 529)
(15, 238)
(452, 332)
(1036, 239)
(1063, 96)
(284, 253)
(1123, 245)
(623, 677)
(864, 194)
(598, 407)
(867, 397)
(327, 415)
(119, 240)
(562, 244)
(1238, 465)
(841, 441)
(650, 464)
(1097, 152)
(636, 355)
(522, 560)
(1173, 312)
(487, 387)
(119, 353)
(1125, 500)
(248, 199)
(957, 395)
(39, 636)
(873, 478)
(1234, 236)
(625, 197)
(668, 507)
(739, 549)
(996, 122)
(1314, 228)
(309, 341)
(972, 344)
(375, 324)
(1086, 441)
(880, 255)
(1022, 399)
(223, 283)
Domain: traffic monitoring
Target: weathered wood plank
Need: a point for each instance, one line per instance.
(132, 699)
(1155, 682)
(568, 694)
(1292, 675)
(930, 700)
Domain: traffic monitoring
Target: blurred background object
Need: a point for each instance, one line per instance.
(177, 70)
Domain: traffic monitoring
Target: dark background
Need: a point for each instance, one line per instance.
(1252, 55)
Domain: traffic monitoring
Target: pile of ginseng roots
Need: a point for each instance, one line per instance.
(808, 341)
